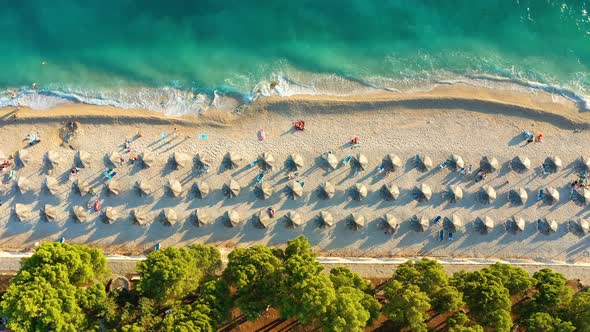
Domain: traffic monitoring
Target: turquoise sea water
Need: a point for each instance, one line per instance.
(175, 55)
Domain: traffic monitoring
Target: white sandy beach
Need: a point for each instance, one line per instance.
(449, 120)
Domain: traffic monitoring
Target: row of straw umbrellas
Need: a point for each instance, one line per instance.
(267, 161)
(142, 216)
(327, 190)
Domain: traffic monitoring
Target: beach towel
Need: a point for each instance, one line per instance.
(203, 136)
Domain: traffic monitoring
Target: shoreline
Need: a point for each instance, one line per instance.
(542, 105)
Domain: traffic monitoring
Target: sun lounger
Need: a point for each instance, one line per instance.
(259, 177)
(346, 160)
(450, 235)
(441, 235)
(444, 164)
(11, 174)
(541, 194)
(254, 163)
(436, 220)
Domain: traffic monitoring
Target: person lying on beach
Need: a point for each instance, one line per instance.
(271, 212)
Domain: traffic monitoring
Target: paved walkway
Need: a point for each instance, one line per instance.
(365, 266)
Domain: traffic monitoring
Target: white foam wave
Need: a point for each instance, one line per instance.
(177, 101)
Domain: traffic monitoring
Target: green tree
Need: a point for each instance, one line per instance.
(515, 279)
(487, 298)
(351, 288)
(431, 278)
(579, 311)
(342, 276)
(172, 273)
(347, 313)
(305, 293)
(552, 291)
(544, 322)
(460, 322)
(255, 273)
(47, 293)
(407, 305)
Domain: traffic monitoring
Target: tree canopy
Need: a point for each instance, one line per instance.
(430, 277)
(61, 287)
(305, 293)
(255, 272)
(48, 293)
(406, 305)
(171, 273)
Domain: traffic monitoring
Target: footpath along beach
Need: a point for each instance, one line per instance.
(473, 123)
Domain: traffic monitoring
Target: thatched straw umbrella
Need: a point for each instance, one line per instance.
(521, 164)
(84, 158)
(295, 162)
(294, 219)
(24, 185)
(423, 162)
(485, 224)
(145, 188)
(52, 185)
(487, 194)
(295, 189)
(81, 213)
(390, 191)
(119, 283)
(111, 214)
(585, 162)
(421, 222)
(203, 217)
(360, 161)
(580, 226)
(141, 216)
(266, 190)
(517, 223)
(518, 196)
(264, 219)
(391, 162)
(553, 164)
(331, 160)
(457, 162)
(202, 160)
(266, 161)
(23, 157)
(489, 164)
(170, 217)
(233, 217)
(114, 187)
(202, 189)
(455, 193)
(551, 195)
(359, 192)
(357, 220)
(582, 195)
(82, 186)
(147, 159)
(50, 212)
(390, 221)
(326, 219)
(327, 190)
(453, 223)
(175, 187)
(114, 158)
(547, 226)
(232, 189)
(23, 212)
(54, 158)
(423, 193)
(180, 159)
(232, 160)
